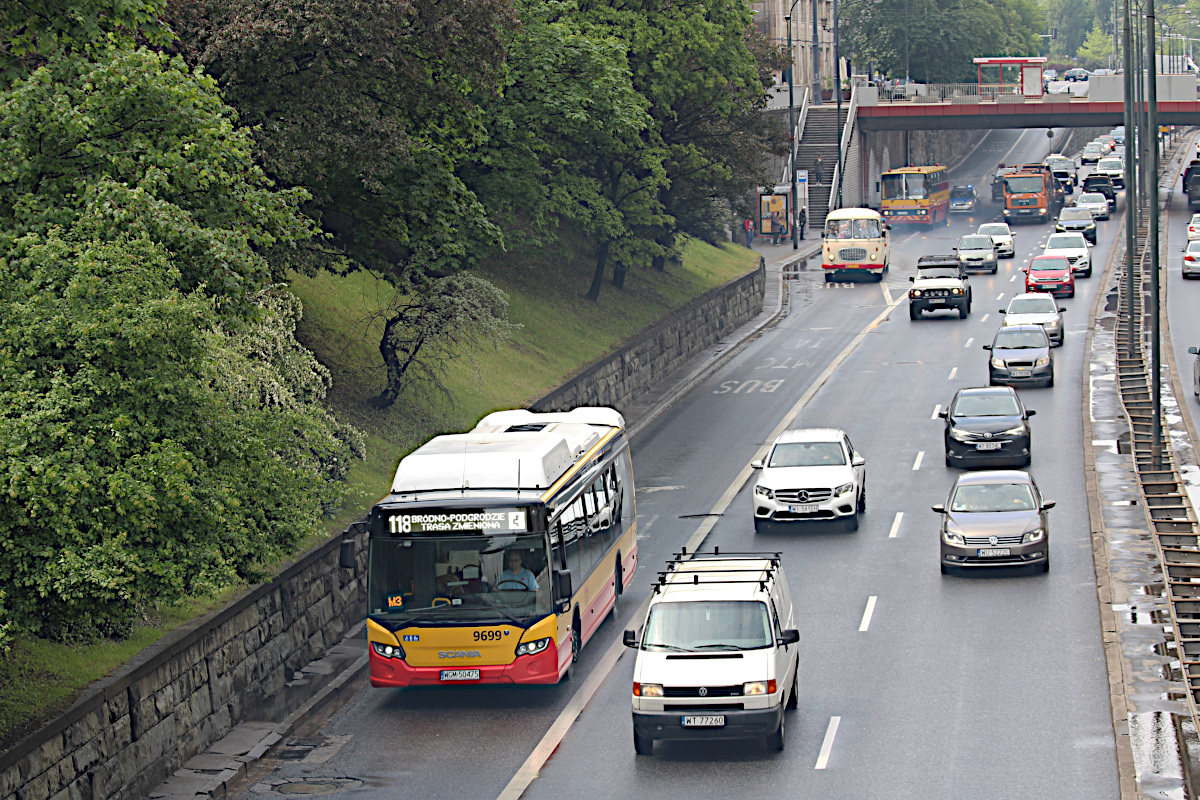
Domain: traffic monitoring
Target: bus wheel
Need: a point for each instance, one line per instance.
(620, 575)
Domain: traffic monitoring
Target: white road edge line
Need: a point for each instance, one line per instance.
(827, 745)
(887, 295)
(566, 718)
(867, 612)
(917, 463)
(896, 525)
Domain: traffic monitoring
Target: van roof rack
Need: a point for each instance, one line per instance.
(677, 565)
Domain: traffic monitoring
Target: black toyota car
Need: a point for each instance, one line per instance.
(987, 426)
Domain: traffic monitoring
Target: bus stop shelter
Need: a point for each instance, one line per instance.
(1029, 70)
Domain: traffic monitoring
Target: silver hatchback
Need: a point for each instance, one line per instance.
(994, 519)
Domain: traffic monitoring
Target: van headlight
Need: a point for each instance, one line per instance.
(1041, 362)
(1034, 536)
(763, 491)
(388, 650)
(647, 689)
(845, 488)
(998, 363)
(758, 688)
(536, 646)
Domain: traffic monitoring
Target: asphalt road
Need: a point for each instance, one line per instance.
(1183, 300)
(960, 686)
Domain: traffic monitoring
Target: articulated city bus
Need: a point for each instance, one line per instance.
(916, 194)
(500, 551)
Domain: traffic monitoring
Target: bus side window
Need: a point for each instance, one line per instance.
(621, 482)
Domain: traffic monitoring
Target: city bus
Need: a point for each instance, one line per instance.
(855, 242)
(500, 551)
(919, 195)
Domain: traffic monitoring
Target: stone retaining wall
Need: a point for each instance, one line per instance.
(617, 379)
(128, 733)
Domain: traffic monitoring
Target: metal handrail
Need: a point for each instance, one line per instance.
(843, 147)
(797, 134)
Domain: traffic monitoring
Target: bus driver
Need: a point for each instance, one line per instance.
(515, 573)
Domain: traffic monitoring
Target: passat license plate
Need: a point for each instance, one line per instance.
(992, 552)
(460, 674)
(807, 508)
(704, 722)
(987, 446)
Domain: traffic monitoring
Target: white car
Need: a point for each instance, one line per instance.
(1098, 205)
(1002, 237)
(810, 474)
(1114, 168)
(1037, 308)
(1196, 364)
(1076, 250)
(1194, 227)
(1191, 260)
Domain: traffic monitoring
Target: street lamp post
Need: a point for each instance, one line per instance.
(816, 56)
(1152, 242)
(837, 90)
(792, 124)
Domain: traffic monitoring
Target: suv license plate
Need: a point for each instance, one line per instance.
(808, 508)
(987, 446)
(937, 301)
(703, 722)
(985, 552)
(460, 674)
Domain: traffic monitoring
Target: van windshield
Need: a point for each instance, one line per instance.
(708, 625)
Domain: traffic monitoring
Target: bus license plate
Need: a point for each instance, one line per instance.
(807, 508)
(985, 552)
(987, 446)
(460, 674)
(704, 722)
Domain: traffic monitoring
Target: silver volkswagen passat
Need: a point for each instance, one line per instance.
(994, 519)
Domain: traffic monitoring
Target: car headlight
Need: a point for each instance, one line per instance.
(956, 291)
(1059, 228)
(1017, 431)
(647, 689)
(998, 363)
(1034, 535)
(1091, 226)
(845, 488)
(959, 434)
(1041, 362)
(915, 293)
(1051, 324)
(536, 646)
(388, 650)
(763, 491)
(950, 537)
(990, 255)
(758, 687)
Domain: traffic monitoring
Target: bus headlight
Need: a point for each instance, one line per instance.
(536, 646)
(388, 650)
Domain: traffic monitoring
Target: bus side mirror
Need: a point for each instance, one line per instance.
(346, 559)
(562, 583)
(630, 638)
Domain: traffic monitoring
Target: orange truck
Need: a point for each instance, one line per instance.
(1031, 193)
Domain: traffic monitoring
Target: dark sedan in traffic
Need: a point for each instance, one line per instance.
(1020, 356)
(987, 426)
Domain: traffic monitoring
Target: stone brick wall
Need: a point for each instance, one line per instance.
(619, 378)
(129, 732)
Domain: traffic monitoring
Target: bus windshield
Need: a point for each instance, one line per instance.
(853, 229)
(1024, 184)
(906, 186)
(459, 579)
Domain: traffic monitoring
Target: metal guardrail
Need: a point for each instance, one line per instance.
(1171, 516)
(967, 93)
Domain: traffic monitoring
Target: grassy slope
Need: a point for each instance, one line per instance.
(562, 333)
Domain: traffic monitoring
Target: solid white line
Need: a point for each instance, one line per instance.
(827, 745)
(936, 409)
(887, 295)
(981, 319)
(969, 342)
(867, 612)
(896, 525)
(558, 729)
(917, 463)
(953, 372)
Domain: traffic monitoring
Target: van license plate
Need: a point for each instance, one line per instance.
(460, 674)
(987, 446)
(808, 508)
(703, 722)
(985, 552)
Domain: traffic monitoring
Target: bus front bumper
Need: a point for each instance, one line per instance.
(542, 667)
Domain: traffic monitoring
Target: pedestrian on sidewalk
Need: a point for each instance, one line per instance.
(776, 227)
(748, 227)
(801, 221)
(819, 169)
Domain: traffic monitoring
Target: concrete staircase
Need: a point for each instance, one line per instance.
(821, 136)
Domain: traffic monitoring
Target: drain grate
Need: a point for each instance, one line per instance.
(292, 787)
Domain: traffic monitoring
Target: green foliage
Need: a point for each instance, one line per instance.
(1096, 50)
(143, 144)
(1073, 19)
(943, 36)
(135, 467)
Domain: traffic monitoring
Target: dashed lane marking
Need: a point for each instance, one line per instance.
(917, 463)
(953, 372)
(896, 525)
(936, 409)
(867, 612)
(827, 744)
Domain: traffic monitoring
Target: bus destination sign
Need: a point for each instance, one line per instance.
(490, 520)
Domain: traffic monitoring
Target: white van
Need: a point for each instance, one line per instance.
(718, 656)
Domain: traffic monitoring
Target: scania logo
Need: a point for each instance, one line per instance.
(459, 654)
(703, 692)
(992, 540)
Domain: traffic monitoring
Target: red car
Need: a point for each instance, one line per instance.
(1050, 274)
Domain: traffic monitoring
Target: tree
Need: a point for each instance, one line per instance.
(1097, 49)
(1073, 19)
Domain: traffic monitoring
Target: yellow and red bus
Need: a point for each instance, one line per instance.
(918, 195)
(499, 552)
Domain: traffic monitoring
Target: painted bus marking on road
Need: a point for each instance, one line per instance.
(748, 387)
(769, 363)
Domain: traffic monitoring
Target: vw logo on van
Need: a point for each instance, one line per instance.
(703, 692)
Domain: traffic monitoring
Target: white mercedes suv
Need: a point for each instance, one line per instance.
(810, 474)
